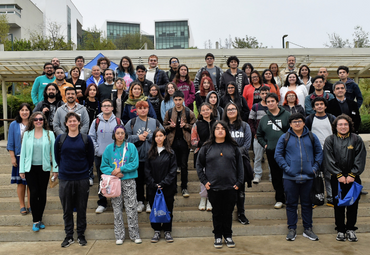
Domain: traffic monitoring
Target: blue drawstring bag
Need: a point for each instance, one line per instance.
(160, 213)
(351, 196)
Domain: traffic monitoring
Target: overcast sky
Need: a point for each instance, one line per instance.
(306, 22)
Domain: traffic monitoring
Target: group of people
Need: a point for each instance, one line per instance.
(140, 124)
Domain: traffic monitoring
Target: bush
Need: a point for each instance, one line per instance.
(365, 124)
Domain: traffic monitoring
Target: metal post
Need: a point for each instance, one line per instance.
(5, 108)
(284, 40)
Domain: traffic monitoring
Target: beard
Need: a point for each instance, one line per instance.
(51, 95)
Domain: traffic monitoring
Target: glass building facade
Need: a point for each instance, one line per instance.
(118, 29)
(171, 35)
(69, 24)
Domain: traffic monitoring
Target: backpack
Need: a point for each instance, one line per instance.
(63, 138)
(187, 114)
(97, 121)
(133, 121)
(287, 136)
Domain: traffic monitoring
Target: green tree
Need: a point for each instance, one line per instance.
(92, 39)
(336, 41)
(18, 45)
(247, 42)
(4, 28)
(133, 42)
(360, 40)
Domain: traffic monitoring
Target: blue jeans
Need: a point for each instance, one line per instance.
(294, 191)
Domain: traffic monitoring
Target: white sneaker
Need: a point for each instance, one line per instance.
(91, 182)
(140, 206)
(148, 209)
(138, 241)
(278, 205)
(256, 180)
(119, 242)
(100, 209)
(209, 205)
(202, 204)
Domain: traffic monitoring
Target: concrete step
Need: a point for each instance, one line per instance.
(180, 230)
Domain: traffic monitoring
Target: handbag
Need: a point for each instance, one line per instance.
(110, 186)
(351, 195)
(317, 194)
(160, 213)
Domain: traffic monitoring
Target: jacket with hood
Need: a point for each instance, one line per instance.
(189, 92)
(198, 78)
(59, 118)
(199, 100)
(353, 91)
(268, 133)
(102, 135)
(239, 101)
(300, 159)
(220, 111)
(240, 79)
(311, 97)
(129, 111)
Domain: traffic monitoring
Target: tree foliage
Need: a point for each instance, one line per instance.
(92, 39)
(360, 40)
(18, 45)
(4, 28)
(247, 42)
(133, 42)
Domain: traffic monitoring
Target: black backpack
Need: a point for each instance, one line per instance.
(287, 136)
(187, 114)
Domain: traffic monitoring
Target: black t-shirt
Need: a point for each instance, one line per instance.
(178, 134)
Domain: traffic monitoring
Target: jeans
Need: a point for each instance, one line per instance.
(223, 202)
(37, 181)
(295, 191)
(74, 194)
(102, 199)
(181, 149)
(258, 154)
(276, 176)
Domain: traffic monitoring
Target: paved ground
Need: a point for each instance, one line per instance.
(244, 245)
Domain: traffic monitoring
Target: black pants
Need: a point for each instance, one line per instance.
(240, 199)
(102, 199)
(340, 211)
(223, 202)
(181, 149)
(170, 199)
(140, 182)
(276, 176)
(74, 193)
(37, 181)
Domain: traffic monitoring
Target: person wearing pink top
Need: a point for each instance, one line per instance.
(184, 84)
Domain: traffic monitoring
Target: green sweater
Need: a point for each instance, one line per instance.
(268, 133)
(38, 87)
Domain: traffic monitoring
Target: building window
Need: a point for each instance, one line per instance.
(69, 24)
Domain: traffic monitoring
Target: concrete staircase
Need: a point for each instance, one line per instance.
(188, 220)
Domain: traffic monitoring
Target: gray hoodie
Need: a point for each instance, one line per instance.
(220, 111)
(60, 115)
(102, 136)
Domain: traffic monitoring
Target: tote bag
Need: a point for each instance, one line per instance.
(160, 213)
(351, 196)
(317, 192)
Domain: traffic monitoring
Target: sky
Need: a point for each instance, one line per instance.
(307, 23)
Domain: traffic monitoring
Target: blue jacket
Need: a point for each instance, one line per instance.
(129, 112)
(308, 101)
(91, 80)
(113, 159)
(14, 138)
(353, 91)
(300, 159)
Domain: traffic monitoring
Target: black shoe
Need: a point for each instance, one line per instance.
(82, 240)
(229, 242)
(218, 243)
(156, 237)
(341, 236)
(364, 192)
(67, 242)
(242, 219)
(351, 236)
(168, 237)
(292, 234)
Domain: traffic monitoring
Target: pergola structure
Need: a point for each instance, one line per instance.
(25, 66)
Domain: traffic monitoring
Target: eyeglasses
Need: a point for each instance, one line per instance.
(290, 96)
(106, 105)
(152, 60)
(38, 119)
(297, 122)
(343, 125)
(255, 77)
(231, 110)
(174, 62)
(209, 58)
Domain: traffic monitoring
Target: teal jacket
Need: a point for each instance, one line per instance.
(48, 140)
(113, 159)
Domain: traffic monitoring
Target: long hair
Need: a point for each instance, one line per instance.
(272, 78)
(153, 151)
(122, 80)
(58, 96)
(114, 135)
(238, 122)
(30, 126)
(300, 71)
(343, 117)
(88, 90)
(167, 96)
(130, 69)
(297, 82)
(159, 95)
(177, 77)
(211, 86)
(132, 85)
(277, 70)
(259, 77)
(18, 118)
(286, 97)
(200, 116)
(237, 98)
(228, 138)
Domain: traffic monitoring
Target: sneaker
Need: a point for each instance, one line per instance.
(100, 209)
(278, 205)
(218, 243)
(292, 234)
(41, 225)
(91, 182)
(178, 170)
(229, 242)
(36, 227)
(341, 236)
(148, 209)
(168, 237)
(185, 193)
(256, 180)
(119, 242)
(242, 219)
(202, 204)
(82, 240)
(330, 202)
(67, 242)
(140, 206)
(351, 236)
(156, 237)
(209, 205)
(310, 234)
(138, 241)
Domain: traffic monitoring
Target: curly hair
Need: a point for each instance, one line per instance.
(343, 117)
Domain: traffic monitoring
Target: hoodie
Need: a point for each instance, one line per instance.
(60, 115)
(102, 136)
(219, 112)
(240, 79)
(189, 93)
